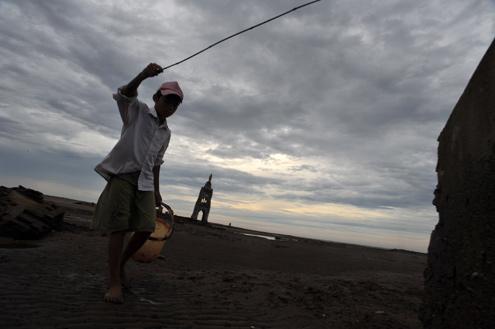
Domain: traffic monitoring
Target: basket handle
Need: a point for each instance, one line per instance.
(163, 206)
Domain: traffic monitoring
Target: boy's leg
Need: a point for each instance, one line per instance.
(136, 241)
(116, 242)
(142, 222)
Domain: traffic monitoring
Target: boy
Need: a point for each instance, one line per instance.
(132, 170)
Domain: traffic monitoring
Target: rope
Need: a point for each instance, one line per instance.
(240, 32)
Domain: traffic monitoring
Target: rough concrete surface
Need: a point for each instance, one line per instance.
(460, 275)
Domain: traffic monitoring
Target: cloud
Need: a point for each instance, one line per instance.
(336, 105)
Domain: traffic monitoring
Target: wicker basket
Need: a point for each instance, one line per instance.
(164, 229)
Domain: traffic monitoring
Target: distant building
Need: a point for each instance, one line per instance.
(204, 202)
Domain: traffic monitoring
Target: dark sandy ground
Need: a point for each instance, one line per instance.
(208, 277)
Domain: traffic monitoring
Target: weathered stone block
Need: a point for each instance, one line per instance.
(25, 215)
(460, 275)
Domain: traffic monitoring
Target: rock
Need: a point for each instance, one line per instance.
(25, 215)
(460, 274)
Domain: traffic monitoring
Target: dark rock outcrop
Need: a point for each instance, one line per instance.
(460, 275)
(25, 215)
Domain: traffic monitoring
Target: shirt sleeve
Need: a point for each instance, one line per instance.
(159, 157)
(128, 106)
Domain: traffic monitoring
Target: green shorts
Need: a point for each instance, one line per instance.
(122, 207)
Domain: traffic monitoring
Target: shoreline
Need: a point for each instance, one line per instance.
(71, 204)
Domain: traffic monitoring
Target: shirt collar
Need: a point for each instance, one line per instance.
(164, 124)
(154, 114)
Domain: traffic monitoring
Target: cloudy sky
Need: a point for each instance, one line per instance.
(321, 124)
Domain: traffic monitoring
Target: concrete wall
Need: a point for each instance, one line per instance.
(460, 276)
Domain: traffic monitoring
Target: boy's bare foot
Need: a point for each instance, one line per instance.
(114, 295)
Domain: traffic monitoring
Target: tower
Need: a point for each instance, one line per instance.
(204, 202)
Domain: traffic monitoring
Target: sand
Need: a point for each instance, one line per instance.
(208, 277)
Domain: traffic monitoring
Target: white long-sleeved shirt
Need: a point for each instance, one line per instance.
(142, 144)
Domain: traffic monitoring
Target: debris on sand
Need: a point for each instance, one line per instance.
(24, 214)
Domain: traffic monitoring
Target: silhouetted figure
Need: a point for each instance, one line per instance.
(204, 202)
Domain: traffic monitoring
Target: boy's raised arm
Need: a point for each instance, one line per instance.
(130, 90)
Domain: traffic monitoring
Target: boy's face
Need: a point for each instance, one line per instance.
(166, 105)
